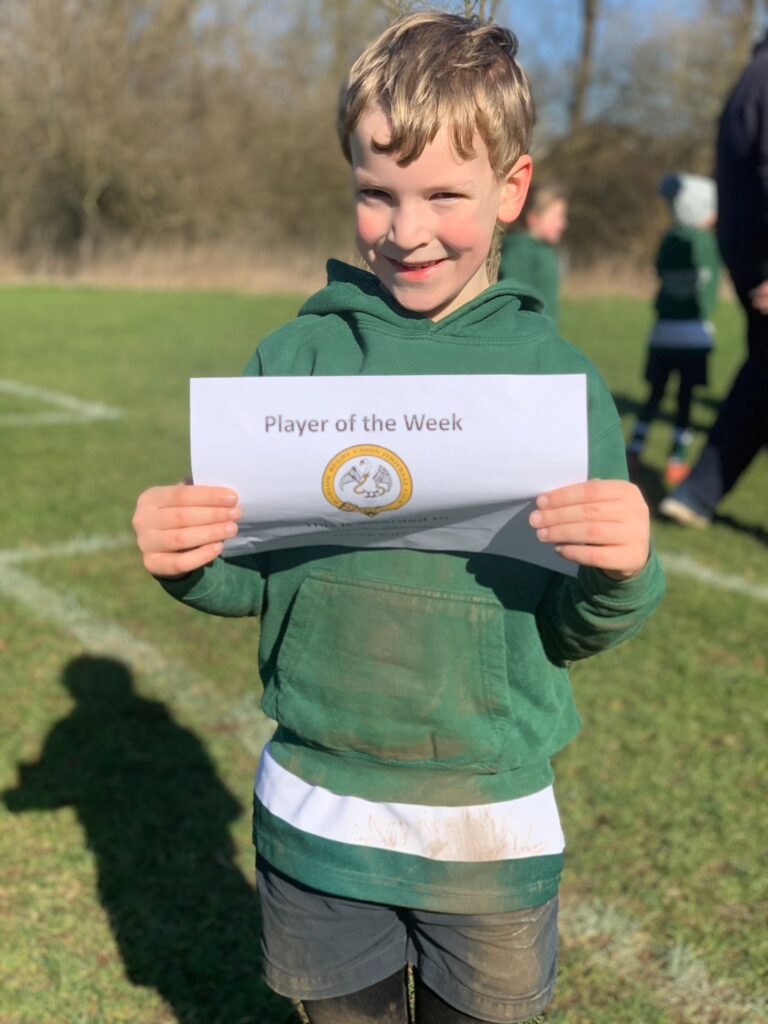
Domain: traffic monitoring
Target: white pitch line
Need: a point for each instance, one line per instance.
(75, 409)
(684, 565)
(46, 419)
(69, 549)
(74, 548)
(181, 687)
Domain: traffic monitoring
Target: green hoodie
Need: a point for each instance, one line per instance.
(534, 263)
(420, 695)
(688, 264)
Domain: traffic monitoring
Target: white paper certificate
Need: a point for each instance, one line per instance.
(443, 463)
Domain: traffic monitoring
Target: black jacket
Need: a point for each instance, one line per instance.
(742, 174)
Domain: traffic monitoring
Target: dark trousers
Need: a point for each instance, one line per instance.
(741, 428)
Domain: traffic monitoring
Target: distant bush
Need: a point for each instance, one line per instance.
(190, 121)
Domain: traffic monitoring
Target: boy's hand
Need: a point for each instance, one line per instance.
(181, 528)
(603, 523)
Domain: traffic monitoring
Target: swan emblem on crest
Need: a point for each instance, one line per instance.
(367, 483)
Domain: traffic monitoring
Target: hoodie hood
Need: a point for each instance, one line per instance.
(358, 294)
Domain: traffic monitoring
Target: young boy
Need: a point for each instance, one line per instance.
(688, 265)
(530, 256)
(404, 808)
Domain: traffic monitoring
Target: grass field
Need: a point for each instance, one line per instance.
(130, 725)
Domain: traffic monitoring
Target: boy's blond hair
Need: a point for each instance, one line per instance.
(431, 69)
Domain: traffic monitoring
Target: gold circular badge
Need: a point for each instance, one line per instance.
(367, 479)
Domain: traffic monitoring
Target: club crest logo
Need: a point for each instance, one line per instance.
(367, 479)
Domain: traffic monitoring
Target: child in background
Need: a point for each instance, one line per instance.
(404, 809)
(688, 265)
(530, 256)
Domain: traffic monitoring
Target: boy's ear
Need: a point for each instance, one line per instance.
(516, 184)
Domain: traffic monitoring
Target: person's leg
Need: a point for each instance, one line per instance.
(383, 1003)
(742, 425)
(331, 952)
(683, 414)
(386, 1003)
(678, 467)
(498, 968)
(739, 432)
(431, 1009)
(646, 414)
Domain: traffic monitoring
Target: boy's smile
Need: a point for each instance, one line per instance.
(425, 229)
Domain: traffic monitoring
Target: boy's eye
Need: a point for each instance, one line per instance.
(372, 193)
(447, 195)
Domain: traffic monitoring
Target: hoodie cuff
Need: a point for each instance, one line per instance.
(603, 590)
(191, 587)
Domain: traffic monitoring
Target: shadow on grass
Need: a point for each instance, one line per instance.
(627, 405)
(156, 817)
(758, 533)
(651, 484)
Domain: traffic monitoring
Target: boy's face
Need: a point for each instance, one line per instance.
(425, 229)
(550, 223)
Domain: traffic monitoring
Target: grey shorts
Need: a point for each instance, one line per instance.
(497, 967)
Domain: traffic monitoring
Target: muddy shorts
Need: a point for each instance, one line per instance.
(498, 967)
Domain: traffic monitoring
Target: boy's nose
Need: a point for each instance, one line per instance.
(408, 229)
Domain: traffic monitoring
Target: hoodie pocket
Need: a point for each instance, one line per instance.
(395, 674)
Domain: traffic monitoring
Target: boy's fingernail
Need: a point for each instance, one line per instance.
(542, 534)
(535, 518)
(235, 513)
(542, 501)
(230, 529)
(231, 499)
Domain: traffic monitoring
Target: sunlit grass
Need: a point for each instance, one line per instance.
(127, 890)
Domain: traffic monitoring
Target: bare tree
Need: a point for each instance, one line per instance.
(195, 120)
(398, 8)
(589, 12)
(484, 10)
(654, 106)
(738, 20)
